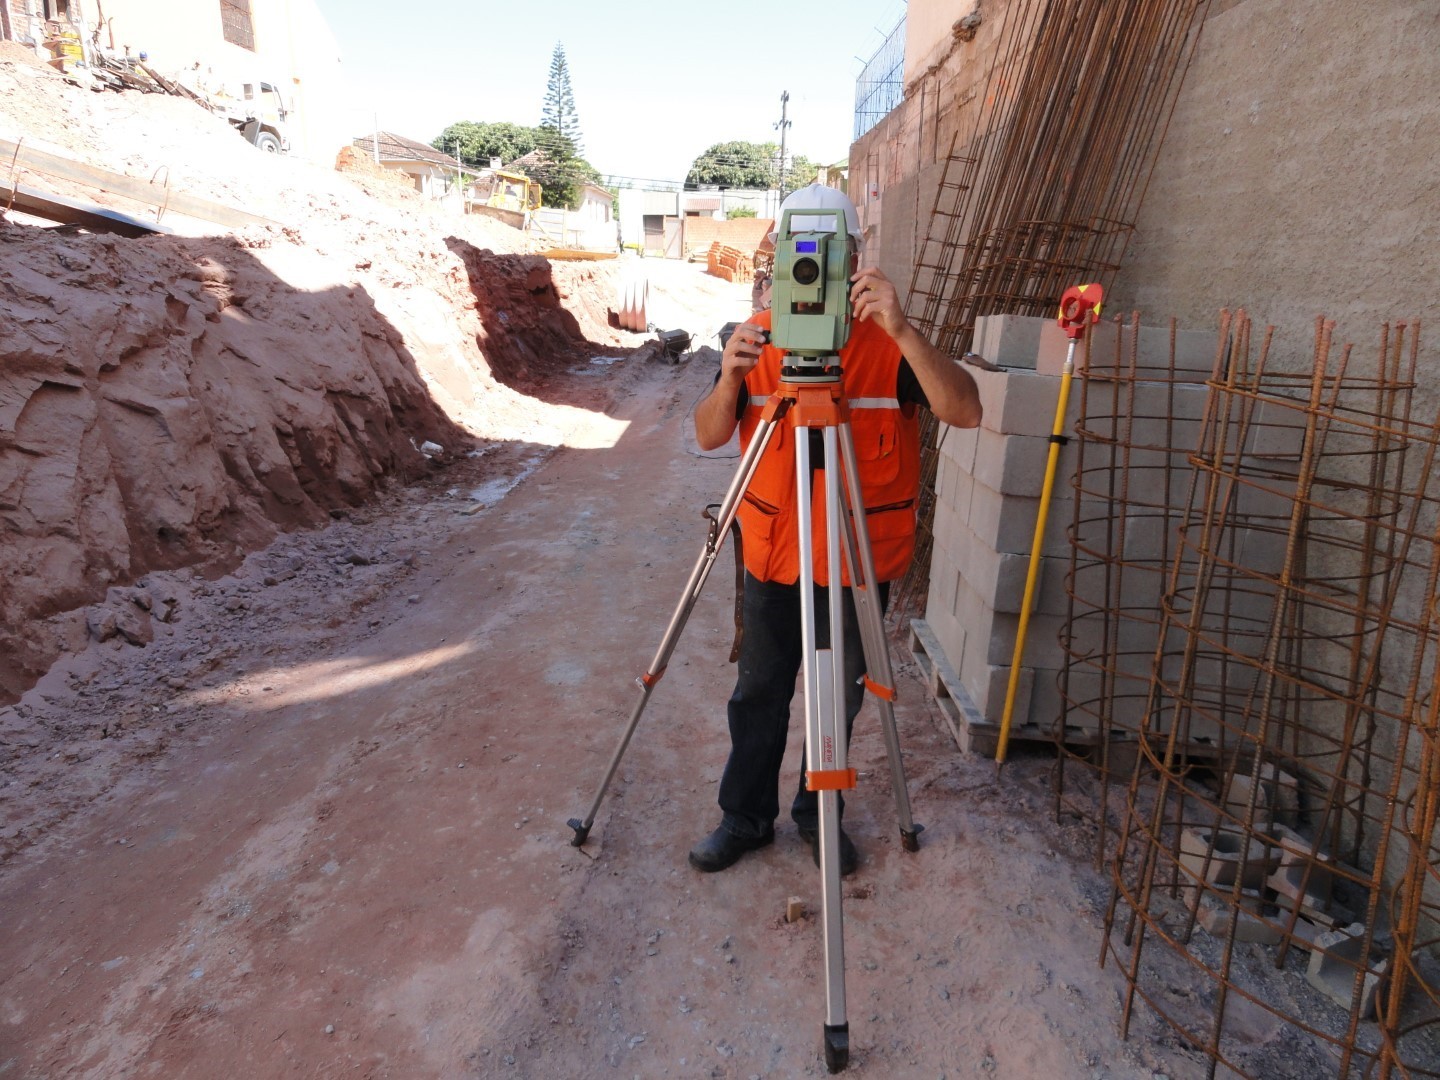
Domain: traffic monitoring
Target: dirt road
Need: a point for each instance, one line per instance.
(318, 826)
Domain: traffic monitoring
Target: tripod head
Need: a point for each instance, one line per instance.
(810, 294)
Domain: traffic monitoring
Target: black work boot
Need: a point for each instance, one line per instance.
(849, 856)
(722, 847)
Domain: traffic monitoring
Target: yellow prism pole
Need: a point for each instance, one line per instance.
(1079, 308)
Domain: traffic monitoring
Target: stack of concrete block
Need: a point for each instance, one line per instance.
(989, 483)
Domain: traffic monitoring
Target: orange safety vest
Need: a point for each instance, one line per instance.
(887, 453)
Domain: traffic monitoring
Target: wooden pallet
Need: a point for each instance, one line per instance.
(973, 733)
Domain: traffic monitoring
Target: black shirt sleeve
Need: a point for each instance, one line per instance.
(907, 387)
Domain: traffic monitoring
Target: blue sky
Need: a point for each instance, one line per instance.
(655, 85)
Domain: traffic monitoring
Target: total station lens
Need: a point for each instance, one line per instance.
(805, 271)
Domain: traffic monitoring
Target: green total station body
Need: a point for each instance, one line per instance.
(810, 292)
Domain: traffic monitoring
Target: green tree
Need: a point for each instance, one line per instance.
(479, 142)
(739, 212)
(541, 153)
(559, 169)
(558, 113)
(747, 165)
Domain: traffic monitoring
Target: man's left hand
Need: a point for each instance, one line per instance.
(873, 296)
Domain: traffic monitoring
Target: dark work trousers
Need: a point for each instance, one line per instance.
(769, 663)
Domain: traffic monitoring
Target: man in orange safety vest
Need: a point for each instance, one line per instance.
(890, 369)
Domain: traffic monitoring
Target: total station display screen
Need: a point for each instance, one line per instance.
(807, 247)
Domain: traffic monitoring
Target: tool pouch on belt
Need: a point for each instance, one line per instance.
(713, 542)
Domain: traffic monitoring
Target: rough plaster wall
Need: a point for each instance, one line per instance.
(1298, 175)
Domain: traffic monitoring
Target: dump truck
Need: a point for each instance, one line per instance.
(253, 106)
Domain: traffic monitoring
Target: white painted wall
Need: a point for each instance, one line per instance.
(294, 49)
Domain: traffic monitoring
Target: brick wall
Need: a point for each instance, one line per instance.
(742, 233)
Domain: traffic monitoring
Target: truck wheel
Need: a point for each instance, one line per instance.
(267, 142)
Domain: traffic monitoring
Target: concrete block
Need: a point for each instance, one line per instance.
(1223, 863)
(950, 531)
(988, 684)
(1159, 399)
(1181, 436)
(1148, 535)
(1013, 340)
(980, 339)
(1042, 640)
(1337, 961)
(1048, 705)
(1249, 926)
(1247, 799)
(1157, 482)
(1312, 897)
(1262, 551)
(1016, 464)
(1304, 934)
(958, 445)
(1006, 523)
(1053, 348)
(1018, 459)
(1111, 346)
(1023, 403)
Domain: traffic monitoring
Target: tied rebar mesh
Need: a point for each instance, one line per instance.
(1140, 407)
(1045, 192)
(1278, 834)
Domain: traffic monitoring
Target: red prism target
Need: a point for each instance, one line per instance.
(1080, 309)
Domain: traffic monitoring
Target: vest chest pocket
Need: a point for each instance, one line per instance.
(877, 446)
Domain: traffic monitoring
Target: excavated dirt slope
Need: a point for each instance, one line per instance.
(176, 401)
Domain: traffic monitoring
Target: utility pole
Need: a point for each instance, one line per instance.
(783, 126)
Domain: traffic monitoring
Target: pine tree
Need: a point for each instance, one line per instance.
(559, 111)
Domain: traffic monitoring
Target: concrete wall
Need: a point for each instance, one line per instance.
(930, 32)
(1298, 175)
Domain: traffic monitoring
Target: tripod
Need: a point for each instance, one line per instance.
(809, 399)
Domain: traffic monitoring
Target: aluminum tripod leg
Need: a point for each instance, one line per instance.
(698, 576)
(825, 723)
(880, 678)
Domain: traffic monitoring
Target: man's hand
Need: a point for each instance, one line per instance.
(950, 389)
(742, 352)
(715, 419)
(873, 296)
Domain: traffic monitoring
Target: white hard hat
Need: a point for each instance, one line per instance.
(818, 197)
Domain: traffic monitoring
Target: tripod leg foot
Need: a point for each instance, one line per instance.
(910, 841)
(582, 831)
(837, 1046)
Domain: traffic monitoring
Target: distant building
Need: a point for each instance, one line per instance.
(652, 219)
(429, 169)
(286, 43)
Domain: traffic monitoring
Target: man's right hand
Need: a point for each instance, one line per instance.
(742, 352)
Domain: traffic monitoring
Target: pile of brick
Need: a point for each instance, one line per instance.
(730, 263)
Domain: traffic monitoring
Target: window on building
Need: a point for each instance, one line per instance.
(235, 19)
